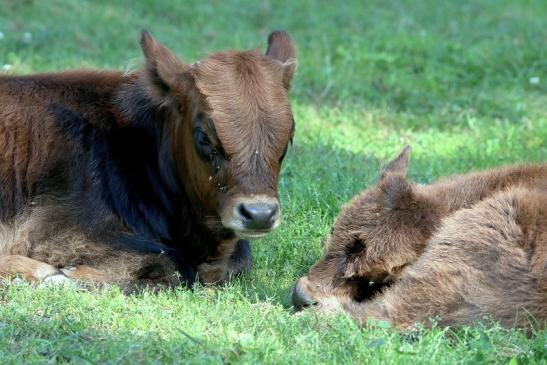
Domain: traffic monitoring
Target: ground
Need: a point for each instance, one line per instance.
(464, 82)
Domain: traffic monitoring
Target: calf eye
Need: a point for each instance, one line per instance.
(283, 154)
(203, 144)
(287, 146)
(354, 247)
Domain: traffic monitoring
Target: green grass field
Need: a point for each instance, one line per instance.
(464, 82)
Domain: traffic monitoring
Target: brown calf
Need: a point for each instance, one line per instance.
(129, 177)
(458, 249)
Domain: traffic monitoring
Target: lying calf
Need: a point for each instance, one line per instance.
(460, 249)
(131, 178)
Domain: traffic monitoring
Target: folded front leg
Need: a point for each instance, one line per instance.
(30, 269)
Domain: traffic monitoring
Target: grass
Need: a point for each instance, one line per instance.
(464, 82)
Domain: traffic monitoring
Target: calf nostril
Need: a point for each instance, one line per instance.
(272, 210)
(258, 215)
(245, 212)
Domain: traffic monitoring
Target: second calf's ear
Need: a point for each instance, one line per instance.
(398, 193)
(399, 165)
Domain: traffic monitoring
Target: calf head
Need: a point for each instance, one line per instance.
(377, 234)
(230, 122)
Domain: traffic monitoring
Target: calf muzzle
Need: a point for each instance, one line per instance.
(258, 215)
(252, 216)
(301, 297)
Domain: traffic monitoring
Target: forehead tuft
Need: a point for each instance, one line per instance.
(246, 97)
(223, 68)
(231, 79)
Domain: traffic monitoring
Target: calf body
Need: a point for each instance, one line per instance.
(459, 249)
(133, 177)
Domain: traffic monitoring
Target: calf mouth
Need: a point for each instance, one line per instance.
(252, 235)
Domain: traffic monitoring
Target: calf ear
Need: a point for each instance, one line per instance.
(165, 74)
(398, 193)
(281, 48)
(399, 165)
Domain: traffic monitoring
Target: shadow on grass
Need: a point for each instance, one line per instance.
(60, 335)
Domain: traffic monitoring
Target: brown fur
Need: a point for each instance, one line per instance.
(458, 249)
(72, 192)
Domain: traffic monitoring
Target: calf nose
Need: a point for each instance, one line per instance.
(258, 215)
(300, 297)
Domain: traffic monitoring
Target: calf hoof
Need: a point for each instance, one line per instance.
(58, 280)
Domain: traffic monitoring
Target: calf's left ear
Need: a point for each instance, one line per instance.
(281, 48)
(399, 165)
(165, 74)
(398, 193)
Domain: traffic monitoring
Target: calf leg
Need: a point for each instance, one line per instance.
(46, 242)
(29, 269)
(83, 272)
(123, 259)
(242, 258)
(34, 270)
(232, 257)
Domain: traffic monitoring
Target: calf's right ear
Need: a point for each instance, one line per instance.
(166, 75)
(399, 165)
